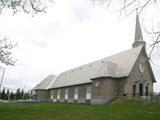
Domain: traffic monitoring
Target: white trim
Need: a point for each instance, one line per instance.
(76, 93)
(58, 94)
(88, 92)
(66, 94)
(52, 94)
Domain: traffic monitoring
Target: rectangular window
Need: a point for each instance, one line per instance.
(66, 94)
(141, 89)
(88, 92)
(134, 90)
(146, 93)
(58, 94)
(52, 93)
(76, 93)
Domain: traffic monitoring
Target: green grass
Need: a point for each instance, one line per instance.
(115, 110)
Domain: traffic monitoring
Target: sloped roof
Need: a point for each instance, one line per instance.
(118, 65)
(107, 69)
(46, 83)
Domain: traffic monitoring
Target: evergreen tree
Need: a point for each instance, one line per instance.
(22, 94)
(12, 96)
(3, 94)
(18, 94)
(26, 95)
(0, 95)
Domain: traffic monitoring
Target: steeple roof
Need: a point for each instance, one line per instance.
(138, 31)
(138, 39)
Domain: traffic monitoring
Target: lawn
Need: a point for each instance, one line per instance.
(65, 111)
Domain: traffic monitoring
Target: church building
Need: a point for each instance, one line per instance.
(123, 74)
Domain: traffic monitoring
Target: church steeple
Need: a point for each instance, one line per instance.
(138, 40)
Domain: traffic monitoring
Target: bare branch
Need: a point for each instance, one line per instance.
(154, 44)
(127, 5)
(109, 2)
(144, 6)
(27, 6)
(5, 52)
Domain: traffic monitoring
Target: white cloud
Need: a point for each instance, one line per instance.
(72, 33)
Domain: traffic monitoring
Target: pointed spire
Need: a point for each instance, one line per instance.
(138, 40)
(138, 31)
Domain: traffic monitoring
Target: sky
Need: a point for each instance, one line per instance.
(70, 34)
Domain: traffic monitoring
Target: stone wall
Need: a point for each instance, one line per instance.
(103, 89)
(42, 95)
(137, 77)
(71, 92)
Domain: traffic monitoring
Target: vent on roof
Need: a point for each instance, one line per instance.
(102, 61)
(90, 65)
(80, 68)
(72, 71)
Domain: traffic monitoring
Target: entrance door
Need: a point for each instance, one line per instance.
(134, 90)
(146, 91)
(141, 89)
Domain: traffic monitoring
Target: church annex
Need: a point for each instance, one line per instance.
(123, 74)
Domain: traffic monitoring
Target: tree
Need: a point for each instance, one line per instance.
(22, 94)
(26, 95)
(3, 94)
(27, 6)
(5, 52)
(6, 55)
(128, 7)
(18, 94)
(12, 96)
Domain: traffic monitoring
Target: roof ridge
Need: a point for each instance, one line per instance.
(99, 59)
